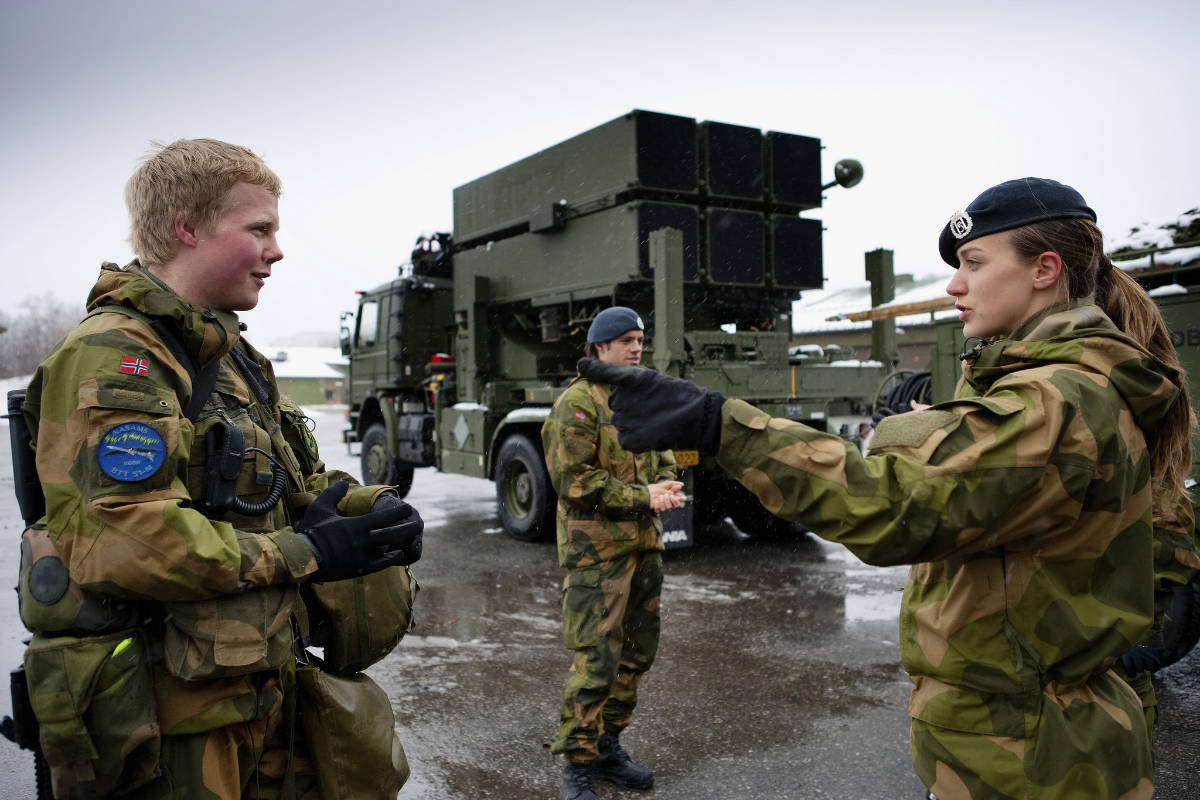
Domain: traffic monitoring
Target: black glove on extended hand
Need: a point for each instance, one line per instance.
(412, 551)
(387, 535)
(658, 412)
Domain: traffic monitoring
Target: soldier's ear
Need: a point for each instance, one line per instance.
(185, 232)
(1048, 268)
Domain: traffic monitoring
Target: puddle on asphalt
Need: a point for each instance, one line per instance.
(871, 605)
(872, 594)
(705, 590)
(533, 621)
(427, 657)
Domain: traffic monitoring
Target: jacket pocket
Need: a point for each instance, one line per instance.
(298, 436)
(229, 636)
(50, 602)
(252, 480)
(132, 440)
(97, 717)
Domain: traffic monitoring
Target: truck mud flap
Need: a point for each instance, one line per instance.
(678, 530)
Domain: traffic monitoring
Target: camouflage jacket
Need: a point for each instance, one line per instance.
(603, 499)
(129, 531)
(1176, 561)
(1024, 505)
(1176, 543)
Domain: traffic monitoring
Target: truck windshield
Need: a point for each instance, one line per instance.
(368, 324)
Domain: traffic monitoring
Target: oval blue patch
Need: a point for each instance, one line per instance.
(131, 451)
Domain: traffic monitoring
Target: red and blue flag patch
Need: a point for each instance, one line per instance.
(132, 365)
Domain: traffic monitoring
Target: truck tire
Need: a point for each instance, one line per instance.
(524, 499)
(379, 466)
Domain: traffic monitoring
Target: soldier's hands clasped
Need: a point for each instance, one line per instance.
(652, 411)
(387, 535)
(666, 495)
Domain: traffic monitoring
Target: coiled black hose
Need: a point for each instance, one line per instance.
(915, 386)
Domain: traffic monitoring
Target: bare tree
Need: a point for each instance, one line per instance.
(32, 331)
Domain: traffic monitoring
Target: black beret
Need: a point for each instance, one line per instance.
(1010, 205)
(612, 322)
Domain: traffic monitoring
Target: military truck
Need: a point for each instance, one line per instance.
(455, 363)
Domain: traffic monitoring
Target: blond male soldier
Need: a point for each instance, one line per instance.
(188, 504)
(609, 539)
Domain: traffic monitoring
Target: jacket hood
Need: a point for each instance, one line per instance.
(207, 334)
(1080, 333)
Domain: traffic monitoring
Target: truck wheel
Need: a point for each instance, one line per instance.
(377, 464)
(524, 498)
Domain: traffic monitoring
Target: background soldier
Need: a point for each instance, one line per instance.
(1026, 504)
(187, 502)
(610, 541)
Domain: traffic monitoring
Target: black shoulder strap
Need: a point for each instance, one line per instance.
(203, 380)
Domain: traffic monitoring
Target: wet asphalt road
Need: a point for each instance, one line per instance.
(777, 676)
(768, 684)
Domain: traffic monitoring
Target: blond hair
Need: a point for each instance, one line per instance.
(188, 177)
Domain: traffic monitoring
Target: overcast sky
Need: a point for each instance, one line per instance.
(372, 112)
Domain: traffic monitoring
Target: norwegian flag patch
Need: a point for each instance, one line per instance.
(131, 365)
(580, 415)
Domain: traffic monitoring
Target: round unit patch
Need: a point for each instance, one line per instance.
(48, 580)
(131, 451)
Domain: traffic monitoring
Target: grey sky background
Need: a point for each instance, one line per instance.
(372, 112)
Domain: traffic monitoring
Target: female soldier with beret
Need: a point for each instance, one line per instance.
(1025, 505)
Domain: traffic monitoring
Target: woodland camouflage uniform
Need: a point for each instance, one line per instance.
(212, 603)
(1176, 561)
(1025, 507)
(611, 543)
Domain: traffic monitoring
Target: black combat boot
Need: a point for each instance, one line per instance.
(613, 764)
(577, 783)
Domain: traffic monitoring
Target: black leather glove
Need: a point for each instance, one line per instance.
(412, 552)
(346, 547)
(652, 411)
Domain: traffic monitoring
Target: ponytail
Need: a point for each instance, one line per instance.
(1134, 312)
(1088, 272)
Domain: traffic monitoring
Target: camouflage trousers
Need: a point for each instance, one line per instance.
(242, 761)
(610, 620)
(1089, 743)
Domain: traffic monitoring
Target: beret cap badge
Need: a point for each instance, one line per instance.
(1007, 206)
(961, 224)
(612, 322)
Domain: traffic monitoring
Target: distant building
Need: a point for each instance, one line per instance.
(310, 375)
(914, 333)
